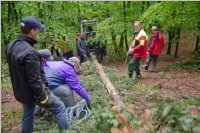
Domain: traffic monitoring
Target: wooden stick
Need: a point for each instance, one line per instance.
(111, 89)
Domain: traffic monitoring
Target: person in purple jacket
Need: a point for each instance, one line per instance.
(62, 78)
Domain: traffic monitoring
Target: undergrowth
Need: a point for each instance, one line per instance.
(165, 116)
(193, 63)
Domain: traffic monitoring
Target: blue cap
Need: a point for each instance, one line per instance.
(32, 22)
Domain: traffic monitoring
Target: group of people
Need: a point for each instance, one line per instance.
(39, 81)
(139, 49)
(61, 48)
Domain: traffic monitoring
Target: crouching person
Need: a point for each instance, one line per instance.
(27, 76)
(62, 78)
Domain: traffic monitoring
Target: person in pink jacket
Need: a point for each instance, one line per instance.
(155, 47)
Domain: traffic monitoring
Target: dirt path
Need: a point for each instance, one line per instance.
(179, 83)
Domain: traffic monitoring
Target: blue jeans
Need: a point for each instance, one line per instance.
(151, 57)
(54, 105)
(65, 94)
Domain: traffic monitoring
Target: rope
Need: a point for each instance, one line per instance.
(79, 111)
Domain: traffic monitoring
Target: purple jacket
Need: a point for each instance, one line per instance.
(68, 73)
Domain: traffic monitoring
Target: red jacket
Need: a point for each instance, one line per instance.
(140, 48)
(156, 45)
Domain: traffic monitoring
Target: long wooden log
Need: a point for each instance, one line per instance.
(111, 89)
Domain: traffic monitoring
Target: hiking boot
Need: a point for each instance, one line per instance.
(146, 68)
(130, 75)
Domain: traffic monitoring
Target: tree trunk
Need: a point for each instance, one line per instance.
(142, 6)
(197, 44)
(79, 16)
(148, 4)
(128, 4)
(197, 38)
(9, 12)
(121, 42)
(177, 38)
(106, 81)
(126, 41)
(15, 14)
(169, 43)
(114, 41)
(125, 23)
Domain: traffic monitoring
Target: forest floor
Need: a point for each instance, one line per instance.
(176, 83)
(180, 85)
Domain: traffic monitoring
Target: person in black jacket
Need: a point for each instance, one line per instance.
(27, 76)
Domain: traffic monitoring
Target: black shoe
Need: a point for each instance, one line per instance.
(130, 75)
(146, 68)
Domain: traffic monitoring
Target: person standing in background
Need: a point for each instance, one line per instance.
(155, 47)
(137, 50)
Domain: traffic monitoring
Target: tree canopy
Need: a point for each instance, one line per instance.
(114, 18)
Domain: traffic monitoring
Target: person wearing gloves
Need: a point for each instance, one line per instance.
(155, 47)
(137, 50)
(62, 78)
(27, 76)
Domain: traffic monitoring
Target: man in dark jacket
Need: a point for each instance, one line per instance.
(27, 76)
(82, 49)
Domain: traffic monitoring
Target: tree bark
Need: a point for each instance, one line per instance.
(177, 38)
(121, 42)
(169, 43)
(197, 44)
(125, 23)
(148, 4)
(142, 6)
(128, 4)
(15, 14)
(126, 41)
(197, 37)
(106, 81)
(114, 41)
(9, 12)
(79, 16)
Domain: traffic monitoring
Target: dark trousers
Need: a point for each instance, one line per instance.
(54, 105)
(134, 65)
(148, 61)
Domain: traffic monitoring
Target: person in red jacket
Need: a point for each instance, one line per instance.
(137, 49)
(155, 47)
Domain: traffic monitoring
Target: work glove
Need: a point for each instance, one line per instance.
(45, 100)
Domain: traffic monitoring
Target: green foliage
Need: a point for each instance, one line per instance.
(173, 117)
(193, 63)
(191, 101)
(5, 79)
(169, 15)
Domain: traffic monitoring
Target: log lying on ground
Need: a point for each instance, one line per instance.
(111, 89)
